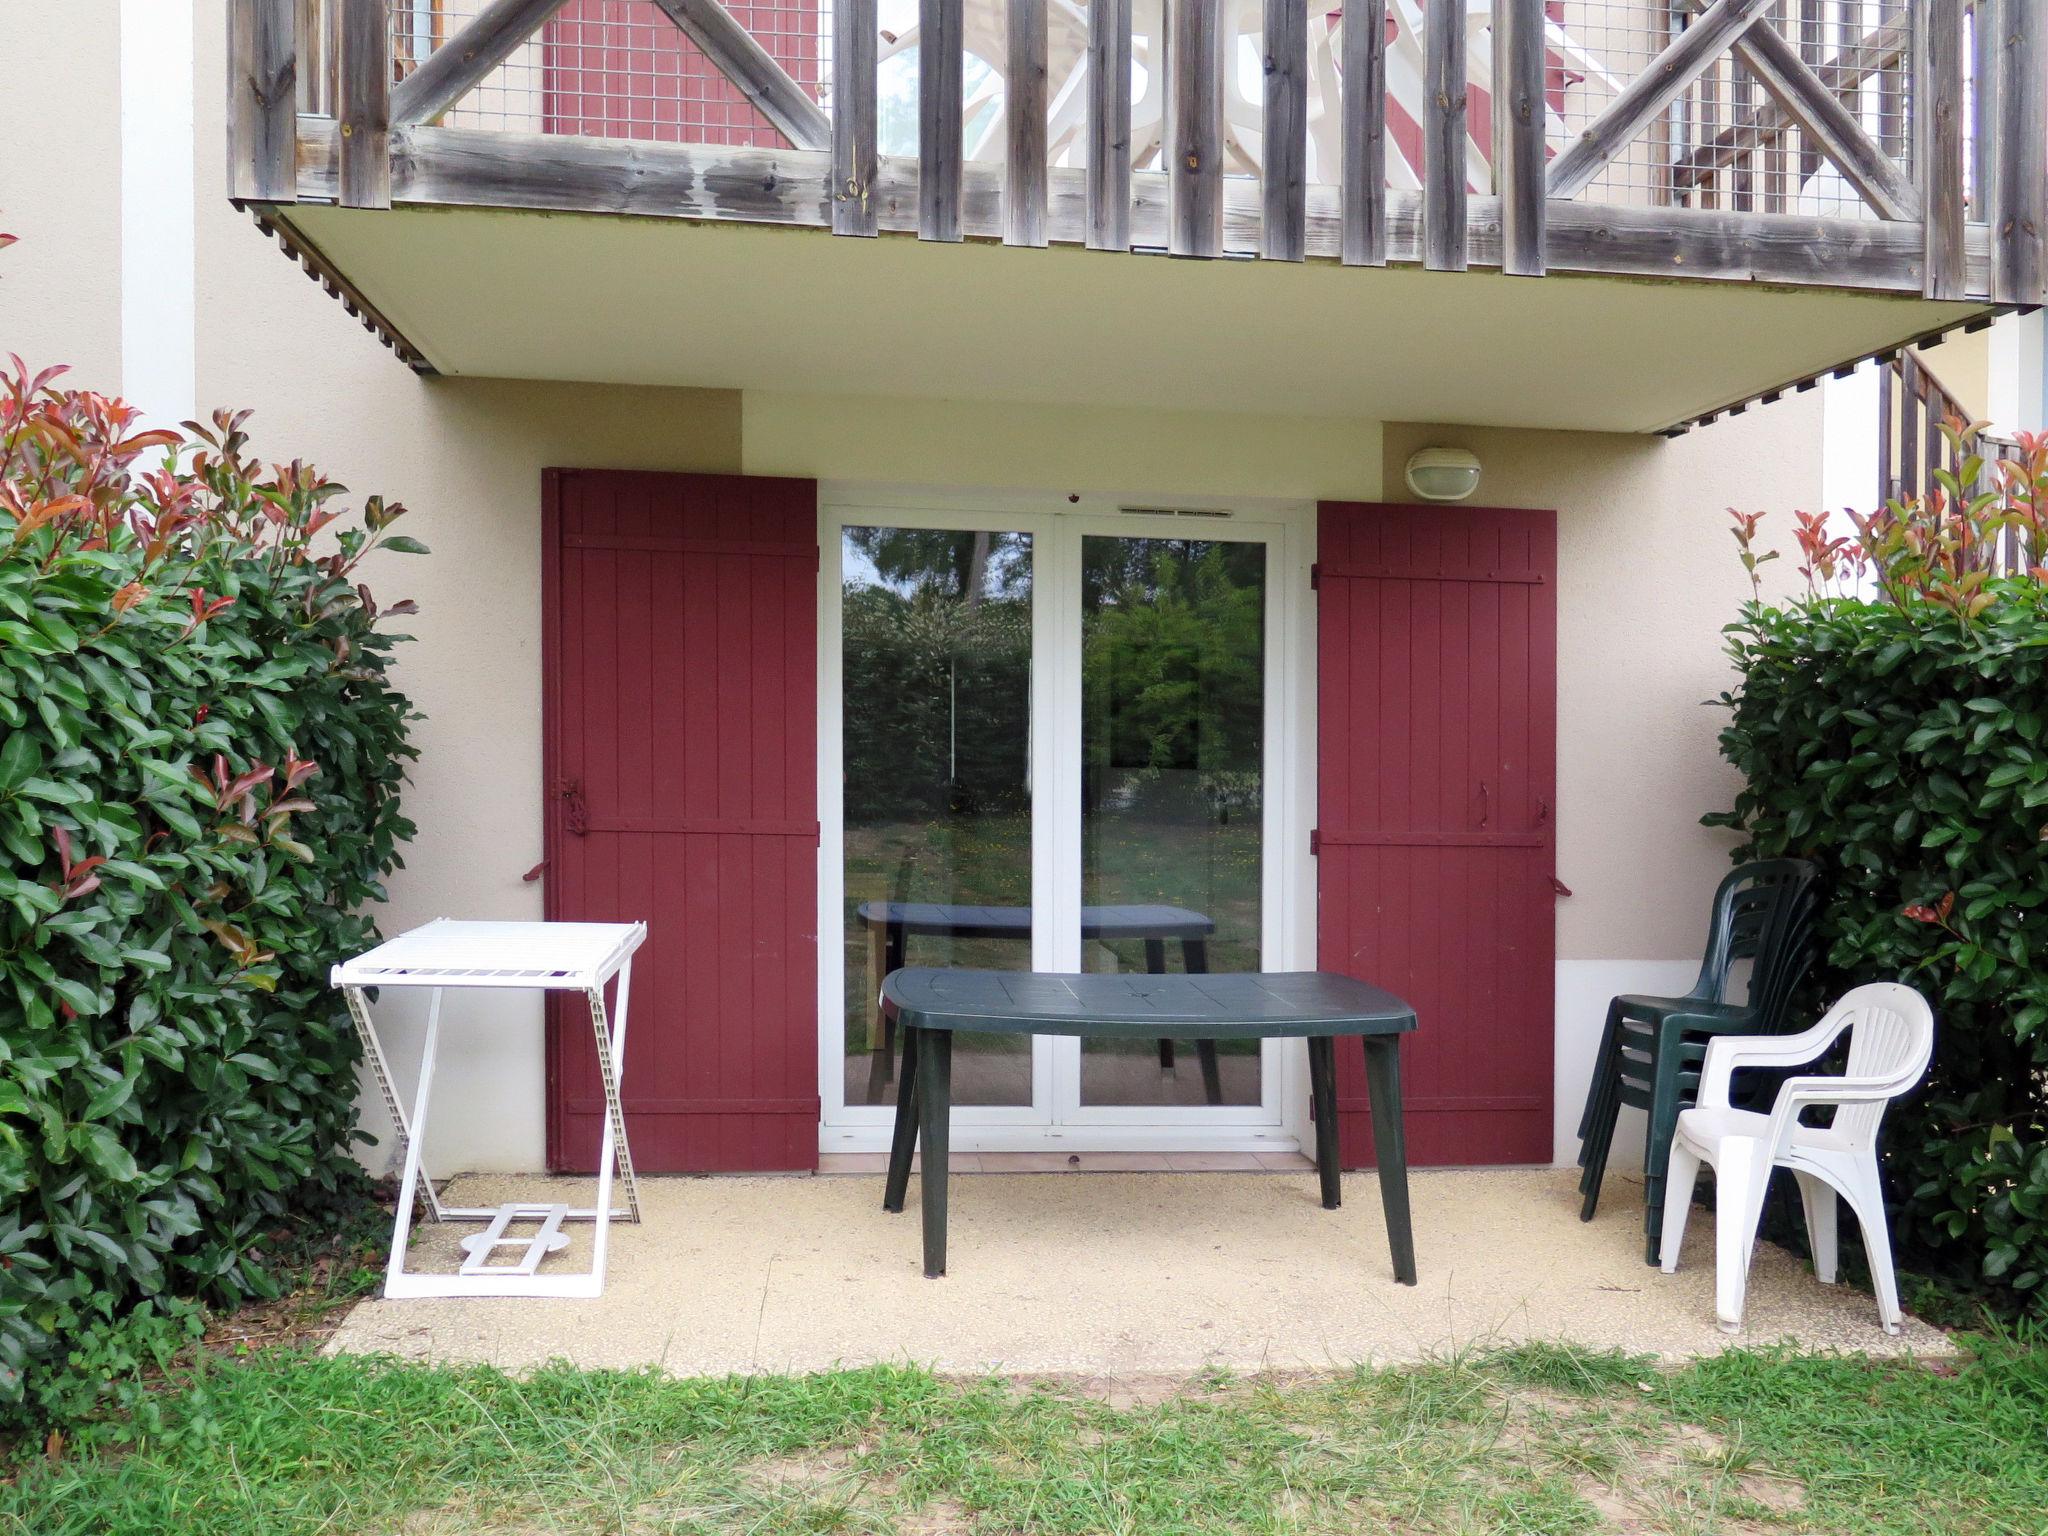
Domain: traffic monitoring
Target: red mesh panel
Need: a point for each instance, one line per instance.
(622, 69)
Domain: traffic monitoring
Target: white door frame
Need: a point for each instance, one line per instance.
(1058, 522)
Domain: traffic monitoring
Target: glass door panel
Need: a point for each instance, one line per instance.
(936, 639)
(1173, 710)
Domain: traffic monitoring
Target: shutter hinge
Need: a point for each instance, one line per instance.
(1315, 842)
(1315, 576)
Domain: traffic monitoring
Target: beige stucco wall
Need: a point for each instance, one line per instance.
(1647, 570)
(60, 187)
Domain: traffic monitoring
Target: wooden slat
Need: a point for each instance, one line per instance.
(1194, 175)
(1283, 232)
(1986, 70)
(1806, 100)
(1024, 105)
(2020, 220)
(1364, 171)
(313, 22)
(1662, 81)
(1518, 133)
(1443, 139)
(1938, 126)
(1813, 54)
(1909, 425)
(263, 97)
(737, 55)
(1109, 125)
(364, 111)
(1885, 373)
(853, 117)
(454, 68)
(940, 63)
(460, 167)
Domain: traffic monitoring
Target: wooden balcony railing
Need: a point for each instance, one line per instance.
(1912, 407)
(1933, 121)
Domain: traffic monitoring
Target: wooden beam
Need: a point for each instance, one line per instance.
(1194, 176)
(1853, 64)
(737, 55)
(455, 67)
(1363, 193)
(263, 101)
(1663, 80)
(364, 110)
(1109, 125)
(457, 167)
(1805, 99)
(2020, 201)
(853, 117)
(1284, 133)
(1938, 126)
(1519, 118)
(1024, 87)
(1443, 138)
(940, 66)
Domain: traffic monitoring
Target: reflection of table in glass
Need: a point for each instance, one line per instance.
(931, 1006)
(890, 923)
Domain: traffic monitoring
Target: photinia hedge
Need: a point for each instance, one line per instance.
(200, 761)
(1900, 739)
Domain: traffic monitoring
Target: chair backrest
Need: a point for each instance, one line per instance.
(1765, 913)
(1891, 1041)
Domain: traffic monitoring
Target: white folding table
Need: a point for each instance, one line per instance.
(551, 957)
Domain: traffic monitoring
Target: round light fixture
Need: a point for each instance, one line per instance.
(1443, 474)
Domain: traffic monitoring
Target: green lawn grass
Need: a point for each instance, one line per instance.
(1539, 1439)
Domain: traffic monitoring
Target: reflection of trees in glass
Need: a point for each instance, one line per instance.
(937, 649)
(1172, 668)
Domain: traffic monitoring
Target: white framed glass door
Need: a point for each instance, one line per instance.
(1059, 740)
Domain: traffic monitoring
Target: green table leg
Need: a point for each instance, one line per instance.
(1322, 1089)
(1383, 1082)
(934, 1113)
(903, 1140)
(1195, 961)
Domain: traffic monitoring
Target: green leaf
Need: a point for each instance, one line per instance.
(21, 757)
(404, 544)
(103, 1149)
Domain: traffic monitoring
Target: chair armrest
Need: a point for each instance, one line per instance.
(1729, 1052)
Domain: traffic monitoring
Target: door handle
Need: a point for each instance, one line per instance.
(575, 815)
(1485, 803)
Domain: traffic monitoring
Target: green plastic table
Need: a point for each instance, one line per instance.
(928, 1006)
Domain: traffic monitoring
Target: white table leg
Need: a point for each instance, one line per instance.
(387, 1088)
(415, 1135)
(611, 1054)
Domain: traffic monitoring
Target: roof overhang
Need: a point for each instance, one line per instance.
(605, 298)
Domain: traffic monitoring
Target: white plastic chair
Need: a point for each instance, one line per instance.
(1890, 1045)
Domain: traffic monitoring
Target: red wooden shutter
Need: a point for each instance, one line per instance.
(1436, 774)
(681, 729)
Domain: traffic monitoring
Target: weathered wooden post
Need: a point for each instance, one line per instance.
(1519, 112)
(364, 108)
(1363, 192)
(263, 101)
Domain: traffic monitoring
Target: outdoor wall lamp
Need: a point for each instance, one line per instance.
(1443, 474)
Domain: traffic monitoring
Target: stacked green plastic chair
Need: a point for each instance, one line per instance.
(1651, 1050)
